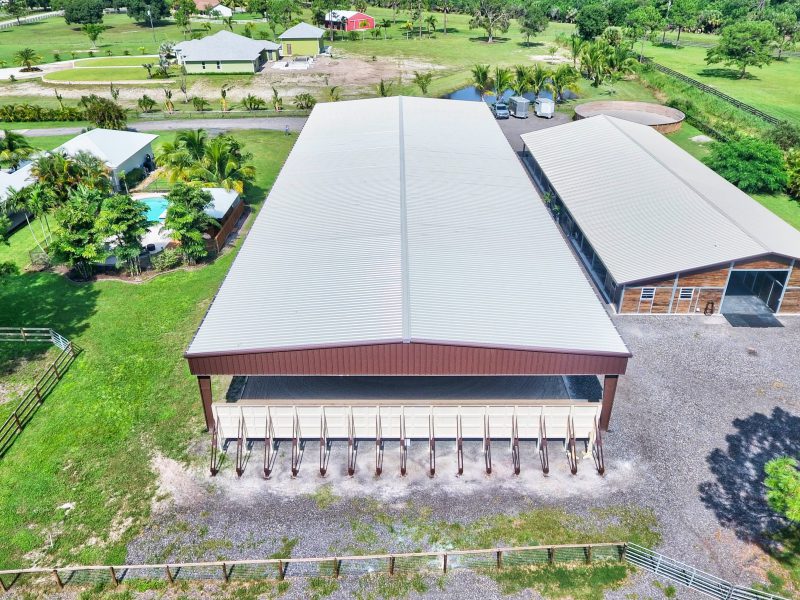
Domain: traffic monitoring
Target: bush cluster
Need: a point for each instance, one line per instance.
(29, 113)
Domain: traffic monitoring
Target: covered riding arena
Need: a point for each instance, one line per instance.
(433, 302)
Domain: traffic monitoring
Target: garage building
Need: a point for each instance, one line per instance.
(439, 266)
(659, 231)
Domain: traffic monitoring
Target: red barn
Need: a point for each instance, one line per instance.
(348, 20)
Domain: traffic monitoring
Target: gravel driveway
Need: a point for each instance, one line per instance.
(702, 407)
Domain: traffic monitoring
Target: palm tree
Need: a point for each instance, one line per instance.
(26, 58)
(522, 79)
(540, 76)
(481, 79)
(175, 161)
(276, 101)
(333, 93)
(384, 88)
(223, 92)
(228, 22)
(423, 81)
(596, 61)
(145, 103)
(222, 165)
(14, 147)
(385, 24)
(169, 106)
(194, 141)
(20, 200)
(563, 78)
(502, 81)
(430, 22)
(200, 104)
(575, 45)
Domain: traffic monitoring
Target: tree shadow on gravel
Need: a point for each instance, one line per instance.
(737, 497)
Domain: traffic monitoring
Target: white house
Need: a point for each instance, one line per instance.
(213, 7)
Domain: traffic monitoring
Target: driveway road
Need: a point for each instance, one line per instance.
(266, 123)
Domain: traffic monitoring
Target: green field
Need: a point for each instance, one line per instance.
(773, 88)
(102, 74)
(128, 395)
(116, 61)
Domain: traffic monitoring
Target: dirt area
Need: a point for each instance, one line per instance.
(353, 75)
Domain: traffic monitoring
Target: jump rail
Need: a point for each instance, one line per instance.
(36, 395)
(715, 92)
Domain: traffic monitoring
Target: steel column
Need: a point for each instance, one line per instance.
(609, 391)
(204, 381)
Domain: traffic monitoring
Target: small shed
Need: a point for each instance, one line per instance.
(302, 40)
(349, 20)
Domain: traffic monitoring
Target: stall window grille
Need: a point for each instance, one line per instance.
(686, 293)
(648, 293)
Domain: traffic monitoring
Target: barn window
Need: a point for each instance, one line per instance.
(686, 293)
(648, 293)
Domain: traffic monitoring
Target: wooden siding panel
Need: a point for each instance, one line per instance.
(709, 295)
(767, 262)
(791, 302)
(794, 276)
(630, 301)
(661, 300)
(705, 278)
(408, 359)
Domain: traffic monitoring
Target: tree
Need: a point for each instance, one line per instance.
(142, 11)
(502, 80)
(223, 96)
(785, 22)
(81, 12)
(276, 100)
(14, 148)
(333, 93)
(481, 79)
(533, 21)
(596, 61)
(77, 242)
(93, 31)
(60, 173)
(27, 58)
(384, 88)
(16, 9)
(7, 269)
(750, 164)
(430, 23)
(200, 104)
(423, 81)
(783, 487)
(683, 15)
(641, 23)
(223, 164)
(124, 221)
(575, 45)
(744, 44)
(591, 21)
(184, 9)
(187, 219)
(564, 78)
(304, 101)
(793, 173)
(540, 78)
(169, 105)
(522, 79)
(251, 103)
(104, 113)
(34, 200)
(492, 16)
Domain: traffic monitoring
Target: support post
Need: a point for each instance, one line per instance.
(391, 565)
(170, 578)
(204, 381)
(59, 583)
(609, 391)
(113, 576)
(499, 559)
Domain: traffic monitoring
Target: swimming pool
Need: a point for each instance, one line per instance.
(156, 207)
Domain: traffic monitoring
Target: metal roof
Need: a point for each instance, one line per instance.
(302, 31)
(221, 201)
(649, 208)
(109, 145)
(336, 15)
(21, 178)
(419, 225)
(223, 45)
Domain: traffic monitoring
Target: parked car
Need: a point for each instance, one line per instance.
(500, 110)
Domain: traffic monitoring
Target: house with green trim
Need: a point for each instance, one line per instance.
(302, 40)
(226, 52)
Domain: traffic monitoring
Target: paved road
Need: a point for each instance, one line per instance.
(266, 123)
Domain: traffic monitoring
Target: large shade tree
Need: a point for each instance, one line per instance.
(493, 16)
(82, 12)
(744, 44)
(77, 241)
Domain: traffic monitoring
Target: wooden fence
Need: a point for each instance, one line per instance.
(330, 566)
(35, 396)
(228, 226)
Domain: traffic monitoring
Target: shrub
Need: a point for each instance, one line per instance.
(785, 134)
(56, 56)
(750, 164)
(304, 101)
(168, 259)
(134, 177)
(30, 113)
(126, 52)
(793, 173)
(783, 487)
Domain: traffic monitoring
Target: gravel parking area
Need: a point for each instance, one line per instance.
(702, 408)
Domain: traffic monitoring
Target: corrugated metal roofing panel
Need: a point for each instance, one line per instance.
(109, 145)
(418, 224)
(649, 208)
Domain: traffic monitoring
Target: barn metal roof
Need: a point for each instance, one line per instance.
(418, 224)
(649, 208)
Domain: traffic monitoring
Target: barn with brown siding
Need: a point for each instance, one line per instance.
(444, 269)
(658, 231)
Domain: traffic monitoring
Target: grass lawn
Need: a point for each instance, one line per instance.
(126, 397)
(116, 61)
(104, 75)
(783, 206)
(683, 136)
(772, 88)
(54, 35)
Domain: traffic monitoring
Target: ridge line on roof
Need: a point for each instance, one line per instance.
(405, 283)
(689, 185)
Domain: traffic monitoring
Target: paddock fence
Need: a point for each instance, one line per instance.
(31, 19)
(713, 91)
(485, 561)
(45, 383)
